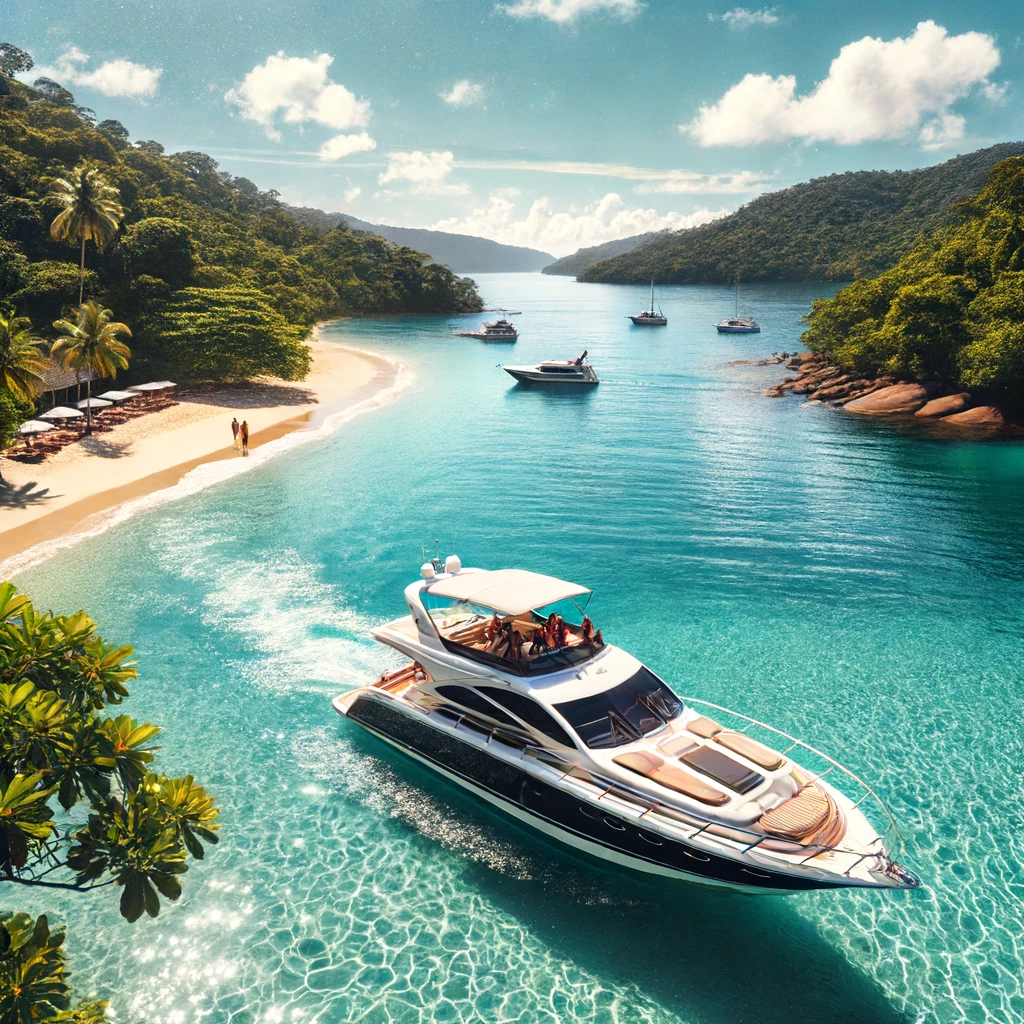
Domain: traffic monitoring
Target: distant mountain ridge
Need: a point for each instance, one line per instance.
(461, 253)
(838, 228)
(578, 261)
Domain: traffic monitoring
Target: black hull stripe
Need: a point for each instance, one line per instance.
(516, 787)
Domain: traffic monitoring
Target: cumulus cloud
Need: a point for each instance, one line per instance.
(563, 232)
(426, 171)
(118, 77)
(740, 17)
(352, 193)
(463, 93)
(875, 89)
(941, 132)
(345, 145)
(300, 90)
(565, 11)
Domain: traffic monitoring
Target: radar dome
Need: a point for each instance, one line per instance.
(427, 571)
(452, 564)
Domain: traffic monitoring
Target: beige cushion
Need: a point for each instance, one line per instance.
(704, 727)
(765, 757)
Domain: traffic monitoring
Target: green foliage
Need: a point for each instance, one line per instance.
(13, 412)
(952, 308)
(837, 228)
(215, 334)
(21, 359)
(14, 61)
(188, 227)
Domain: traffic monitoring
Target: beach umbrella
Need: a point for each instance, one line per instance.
(61, 412)
(94, 403)
(119, 396)
(35, 427)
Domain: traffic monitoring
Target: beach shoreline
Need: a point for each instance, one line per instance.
(91, 485)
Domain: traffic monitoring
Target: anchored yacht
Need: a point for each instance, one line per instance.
(512, 693)
(648, 317)
(494, 330)
(569, 371)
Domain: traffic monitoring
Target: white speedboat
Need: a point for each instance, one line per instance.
(512, 694)
(648, 317)
(495, 330)
(568, 372)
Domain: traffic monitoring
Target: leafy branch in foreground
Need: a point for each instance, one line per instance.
(57, 750)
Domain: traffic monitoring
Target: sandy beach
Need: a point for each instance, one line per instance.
(152, 452)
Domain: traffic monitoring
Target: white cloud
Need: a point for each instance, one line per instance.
(564, 11)
(995, 92)
(741, 18)
(352, 193)
(463, 93)
(874, 90)
(345, 145)
(942, 131)
(301, 89)
(112, 78)
(564, 232)
(426, 171)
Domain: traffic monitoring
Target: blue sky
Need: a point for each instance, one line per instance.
(549, 123)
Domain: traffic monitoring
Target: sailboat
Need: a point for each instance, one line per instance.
(648, 317)
(738, 324)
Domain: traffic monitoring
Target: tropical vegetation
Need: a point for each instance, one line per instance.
(59, 751)
(198, 253)
(92, 342)
(838, 228)
(952, 308)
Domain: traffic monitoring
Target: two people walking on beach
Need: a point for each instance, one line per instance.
(240, 435)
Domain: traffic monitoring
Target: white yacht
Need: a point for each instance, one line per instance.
(570, 371)
(494, 330)
(648, 317)
(738, 324)
(511, 693)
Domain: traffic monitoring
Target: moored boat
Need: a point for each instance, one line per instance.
(570, 372)
(495, 330)
(650, 317)
(512, 693)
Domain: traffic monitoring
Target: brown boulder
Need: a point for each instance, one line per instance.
(894, 399)
(981, 416)
(945, 406)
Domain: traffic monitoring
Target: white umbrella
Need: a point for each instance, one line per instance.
(93, 403)
(62, 412)
(156, 385)
(35, 427)
(119, 396)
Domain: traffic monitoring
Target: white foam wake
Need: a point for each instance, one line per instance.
(400, 380)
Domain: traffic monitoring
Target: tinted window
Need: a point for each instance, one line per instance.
(468, 699)
(640, 705)
(530, 712)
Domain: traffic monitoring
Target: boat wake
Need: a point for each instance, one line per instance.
(392, 380)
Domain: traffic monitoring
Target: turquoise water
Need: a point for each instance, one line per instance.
(856, 584)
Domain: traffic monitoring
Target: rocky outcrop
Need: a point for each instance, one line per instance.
(945, 406)
(886, 401)
(818, 380)
(980, 416)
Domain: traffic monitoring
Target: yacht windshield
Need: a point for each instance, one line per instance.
(641, 705)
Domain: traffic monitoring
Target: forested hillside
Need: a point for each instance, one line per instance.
(838, 228)
(214, 278)
(462, 253)
(952, 308)
(575, 263)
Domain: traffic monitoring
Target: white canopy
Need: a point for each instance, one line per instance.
(94, 403)
(60, 412)
(35, 427)
(119, 396)
(156, 385)
(508, 591)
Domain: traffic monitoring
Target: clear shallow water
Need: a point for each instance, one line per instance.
(856, 584)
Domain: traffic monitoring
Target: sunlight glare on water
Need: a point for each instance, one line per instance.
(856, 584)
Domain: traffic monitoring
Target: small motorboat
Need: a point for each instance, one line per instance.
(495, 330)
(650, 317)
(510, 692)
(571, 371)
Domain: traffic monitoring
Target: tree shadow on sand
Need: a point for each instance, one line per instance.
(257, 395)
(24, 495)
(704, 954)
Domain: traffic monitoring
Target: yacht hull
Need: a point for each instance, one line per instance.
(737, 330)
(560, 815)
(531, 377)
(650, 321)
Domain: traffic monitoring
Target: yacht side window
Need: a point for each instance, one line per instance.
(469, 699)
(530, 712)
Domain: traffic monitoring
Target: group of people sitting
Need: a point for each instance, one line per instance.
(505, 641)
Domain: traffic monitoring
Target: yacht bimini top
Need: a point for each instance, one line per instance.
(506, 591)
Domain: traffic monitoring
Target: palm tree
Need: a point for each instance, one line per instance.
(91, 211)
(21, 359)
(92, 344)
